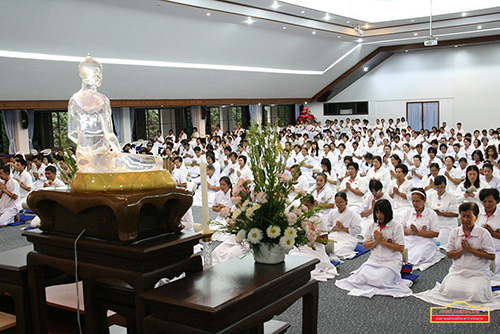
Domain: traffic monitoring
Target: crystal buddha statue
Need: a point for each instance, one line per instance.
(101, 164)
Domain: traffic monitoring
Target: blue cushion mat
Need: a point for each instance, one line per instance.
(360, 250)
(411, 277)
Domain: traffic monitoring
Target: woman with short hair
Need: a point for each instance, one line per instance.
(471, 249)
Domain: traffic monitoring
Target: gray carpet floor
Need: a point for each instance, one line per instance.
(340, 313)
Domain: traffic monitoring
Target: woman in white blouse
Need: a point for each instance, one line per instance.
(452, 174)
(471, 249)
(378, 172)
(420, 226)
(323, 194)
(489, 218)
(344, 225)
(353, 186)
(445, 205)
(332, 180)
(399, 190)
(468, 191)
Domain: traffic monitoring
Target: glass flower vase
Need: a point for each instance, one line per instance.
(268, 253)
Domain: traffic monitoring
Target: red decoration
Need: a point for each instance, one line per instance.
(305, 115)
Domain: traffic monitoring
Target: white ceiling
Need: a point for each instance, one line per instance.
(193, 55)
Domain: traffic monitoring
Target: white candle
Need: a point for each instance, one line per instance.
(204, 197)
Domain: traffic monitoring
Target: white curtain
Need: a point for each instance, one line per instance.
(132, 119)
(31, 126)
(117, 121)
(415, 116)
(431, 115)
(297, 111)
(9, 123)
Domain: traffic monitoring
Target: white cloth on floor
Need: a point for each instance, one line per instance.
(229, 249)
(376, 278)
(463, 285)
(324, 270)
(438, 256)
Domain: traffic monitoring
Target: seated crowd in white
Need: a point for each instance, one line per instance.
(354, 168)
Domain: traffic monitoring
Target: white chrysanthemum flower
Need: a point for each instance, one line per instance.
(290, 232)
(254, 236)
(249, 213)
(236, 213)
(287, 243)
(273, 231)
(240, 236)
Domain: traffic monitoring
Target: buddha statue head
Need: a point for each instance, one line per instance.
(91, 71)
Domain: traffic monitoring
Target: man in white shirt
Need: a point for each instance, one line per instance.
(52, 181)
(38, 172)
(24, 179)
(9, 197)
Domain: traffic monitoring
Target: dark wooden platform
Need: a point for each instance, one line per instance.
(234, 296)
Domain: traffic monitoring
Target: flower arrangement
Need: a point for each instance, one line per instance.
(261, 215)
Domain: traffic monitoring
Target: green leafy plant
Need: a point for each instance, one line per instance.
(264, 212)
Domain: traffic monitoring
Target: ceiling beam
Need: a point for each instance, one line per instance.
(156, 103)
(383, 53)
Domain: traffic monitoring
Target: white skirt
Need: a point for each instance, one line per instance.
(376, 278)
(445, 226)
(463, 285)
(344, 245)
(420, 249)
(324, 269)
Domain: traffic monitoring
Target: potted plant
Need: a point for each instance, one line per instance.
(265, 217)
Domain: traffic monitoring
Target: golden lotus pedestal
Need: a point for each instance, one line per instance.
(148, 207)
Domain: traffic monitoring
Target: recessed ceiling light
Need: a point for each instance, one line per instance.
(314, 32)
(479, 27)
(456, 46)
(464, 14)
(412, 20)
(360, 40)
(365, 69)
(327, 17)
(415, 34)
(347, 21)
(366, 26)
(302, 12)
(275, 5)
(339, 36)
(406, 50)
(208, 14)
(249, 21)
(284, 28)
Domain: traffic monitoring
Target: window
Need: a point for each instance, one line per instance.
(345, 108)
(283, 113)
(229, 117)
(50, 127)
(4, 141)
(422, 115)
(147, 123)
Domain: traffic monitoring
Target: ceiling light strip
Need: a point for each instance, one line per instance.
(342, 58)
(150, 63)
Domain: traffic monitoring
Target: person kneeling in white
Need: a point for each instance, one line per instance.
(381, 274)
(9, 198)
(471, 249)
(344, 225)
(421, 226)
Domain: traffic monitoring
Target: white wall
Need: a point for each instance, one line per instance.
(464, 80)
